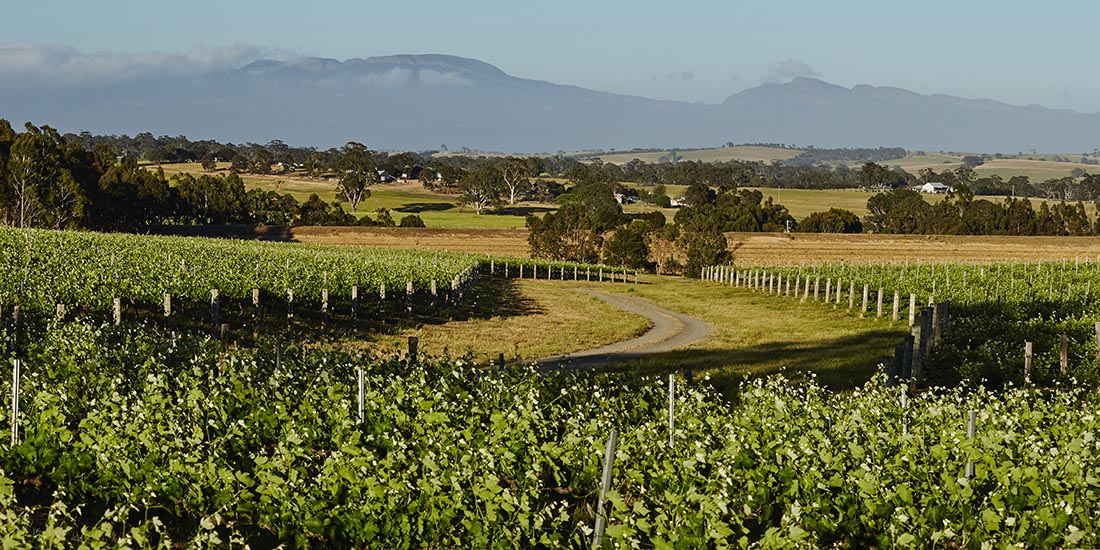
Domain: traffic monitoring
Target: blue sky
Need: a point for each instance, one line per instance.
(1016, 52)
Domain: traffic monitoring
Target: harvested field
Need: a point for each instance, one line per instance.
(775, 248)
(795, 248)
(500, 242)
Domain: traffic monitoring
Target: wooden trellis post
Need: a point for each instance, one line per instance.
(215, 310)
(355, 302)
(866, 290)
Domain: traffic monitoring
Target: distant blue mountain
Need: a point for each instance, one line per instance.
(415, 102)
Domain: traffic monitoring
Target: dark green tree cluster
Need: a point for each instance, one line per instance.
(45, 181)
(483, 188)
(589, 226)
(814, 156)
(576, 231)
(745, 210)
(906, 211)
(835, 220)
(357, 172)
(709, 215)
(48, 181)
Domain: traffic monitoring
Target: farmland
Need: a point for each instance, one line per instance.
(750, 153)
(437, 210)
(443, 211)
(1037, 167)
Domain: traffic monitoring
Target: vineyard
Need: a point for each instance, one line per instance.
(89, 271)
(994, 309)
(141, 433)
(130, 437)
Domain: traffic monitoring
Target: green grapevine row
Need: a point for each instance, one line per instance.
(133, 438)
(42, 268)
(995, 308)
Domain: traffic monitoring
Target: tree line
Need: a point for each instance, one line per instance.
(808, 170)
(590, 226)
(960, 213)
(55, 181)
(49, 181)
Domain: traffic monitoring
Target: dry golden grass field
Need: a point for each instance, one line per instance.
(1037, 168)
(500, 242)
(771, 248)
(795, 248)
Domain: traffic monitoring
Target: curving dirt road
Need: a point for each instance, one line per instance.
(671, 330)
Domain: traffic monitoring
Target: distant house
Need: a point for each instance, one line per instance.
(935, 187)
(625, 199)
(678, 202)
(385, 177)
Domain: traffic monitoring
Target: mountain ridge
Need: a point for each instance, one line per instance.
(419, 101)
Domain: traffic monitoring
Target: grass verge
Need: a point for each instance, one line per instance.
(755, 334)
(750, 334)
(534, 319)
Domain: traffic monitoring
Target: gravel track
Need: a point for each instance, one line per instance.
(670, 330)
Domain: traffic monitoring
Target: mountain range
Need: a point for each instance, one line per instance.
(418, 102)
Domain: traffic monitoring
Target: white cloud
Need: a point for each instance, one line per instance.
(393, 78)
(782, 71)
(24, 65)
(431, 77)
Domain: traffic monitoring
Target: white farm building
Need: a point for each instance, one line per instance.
(935, 187)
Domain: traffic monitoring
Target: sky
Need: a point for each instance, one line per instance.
(1020, 53)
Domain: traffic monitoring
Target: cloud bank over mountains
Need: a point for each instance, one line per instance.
(31, 65)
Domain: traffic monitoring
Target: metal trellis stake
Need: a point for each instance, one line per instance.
(17, 366)
(971, 428)
(360, 373)
(671, 408)
(605, 483)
